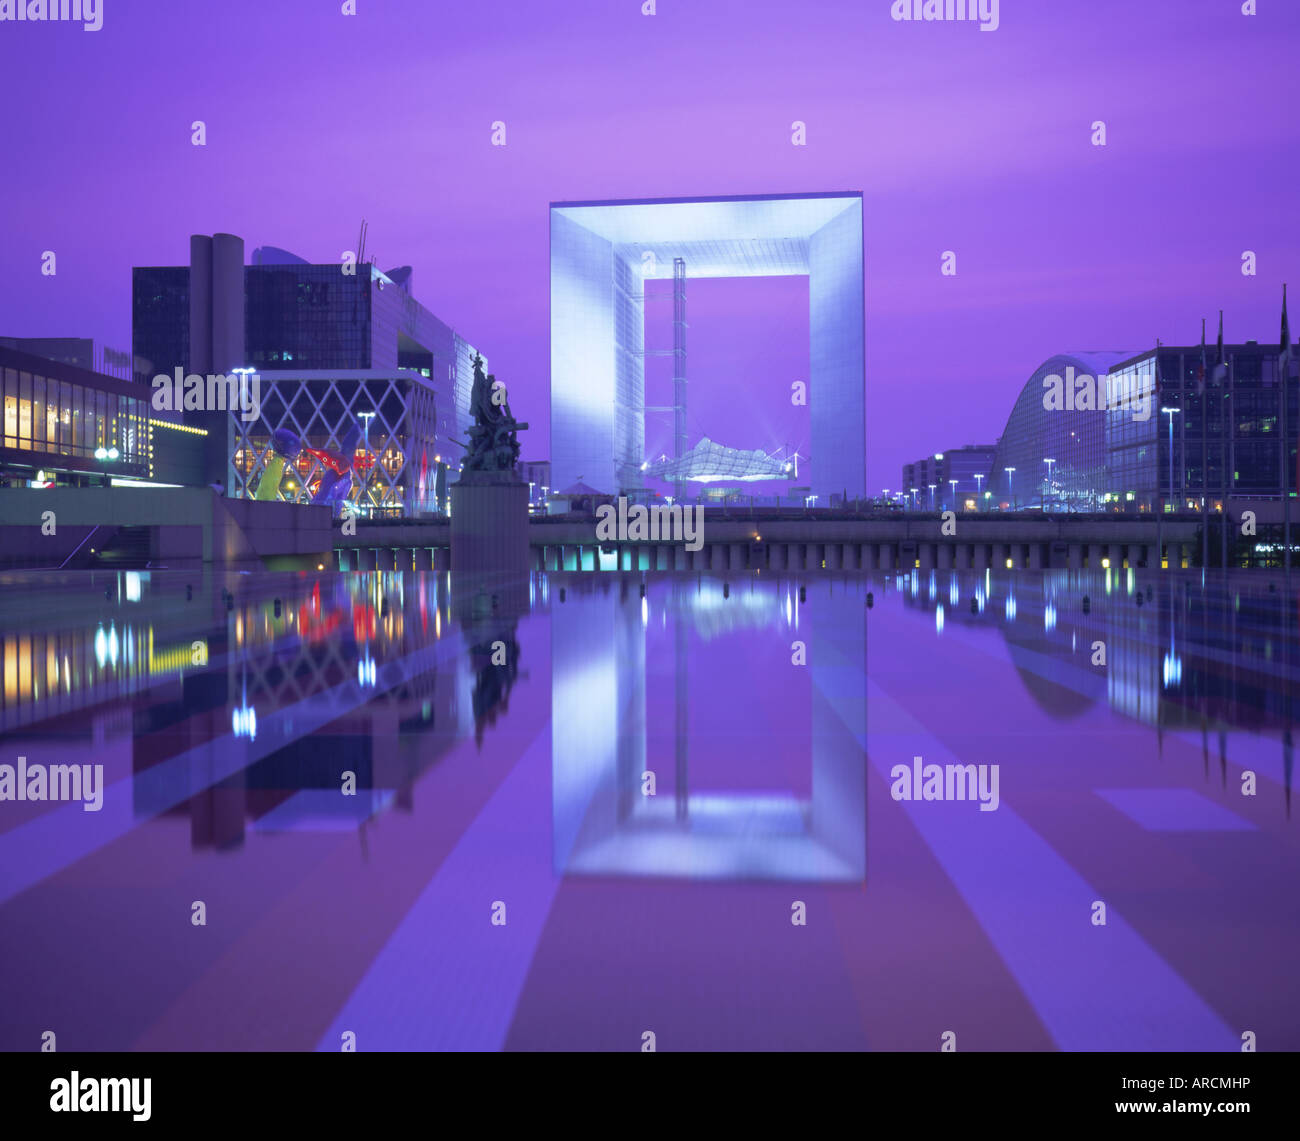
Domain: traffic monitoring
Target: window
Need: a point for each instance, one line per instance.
(25, 410)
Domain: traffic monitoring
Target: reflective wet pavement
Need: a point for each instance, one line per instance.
(578, 812)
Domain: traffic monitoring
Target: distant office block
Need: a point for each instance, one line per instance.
(957, 475)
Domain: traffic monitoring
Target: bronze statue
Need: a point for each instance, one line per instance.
(493, 445)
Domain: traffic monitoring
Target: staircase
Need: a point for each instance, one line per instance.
(128, 549)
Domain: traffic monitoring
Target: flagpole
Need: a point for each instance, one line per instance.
(1284, 368)
(1221, 375)
(1160, 506)
(1205, 453)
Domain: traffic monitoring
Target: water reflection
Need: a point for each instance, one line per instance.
(1199, 653)
(245, 701)
(353, 768)
(611, 814)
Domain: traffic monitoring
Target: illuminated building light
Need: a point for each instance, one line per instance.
(243, 722)
(186, 428)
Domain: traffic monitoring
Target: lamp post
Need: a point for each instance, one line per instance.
(978, 488)
(914, 490)
(931, 486)
(1171, 413)
(1010, 471)
(367, 417)
(953, 484)
(1049, 464)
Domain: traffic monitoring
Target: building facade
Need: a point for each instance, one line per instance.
(968, 465)
(328, 345)
(79, 351)
(67, 425)
(1052, 453)
(399, 460)
(537, 474)
(1214, 434)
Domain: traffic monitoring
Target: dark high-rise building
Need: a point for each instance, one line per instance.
(160, 319)
(298, 316)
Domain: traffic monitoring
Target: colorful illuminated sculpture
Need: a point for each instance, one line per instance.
(336, 476)
(285, 448)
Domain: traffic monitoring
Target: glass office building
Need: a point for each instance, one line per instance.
(1209, 437)
(969, 466)
(304, 317)
(601, 255)
(1052, 453)
(71, 424)
(160, 320)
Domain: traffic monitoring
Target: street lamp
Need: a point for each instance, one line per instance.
(914, 490)
(931, 486)
(1009, 471)
(367, 417)
(953, 484)
(1171, 413)
(978, 488)
(1049, 464)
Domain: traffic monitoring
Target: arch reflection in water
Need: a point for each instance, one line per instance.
(604, 825)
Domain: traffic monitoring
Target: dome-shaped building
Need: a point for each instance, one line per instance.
(1054, 443)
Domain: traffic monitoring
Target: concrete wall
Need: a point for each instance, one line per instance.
(191, 526)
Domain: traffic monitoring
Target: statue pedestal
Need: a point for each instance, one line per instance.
(489, 523)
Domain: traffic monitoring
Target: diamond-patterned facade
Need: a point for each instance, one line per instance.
(404, 436)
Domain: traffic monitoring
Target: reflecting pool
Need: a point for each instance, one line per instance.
(267, 811)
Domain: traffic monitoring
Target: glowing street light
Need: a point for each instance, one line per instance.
(367, 417)
(1049, 464)
(1171, 413)
(1010, 471)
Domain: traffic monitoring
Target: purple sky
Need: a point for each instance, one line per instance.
(959, 139)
